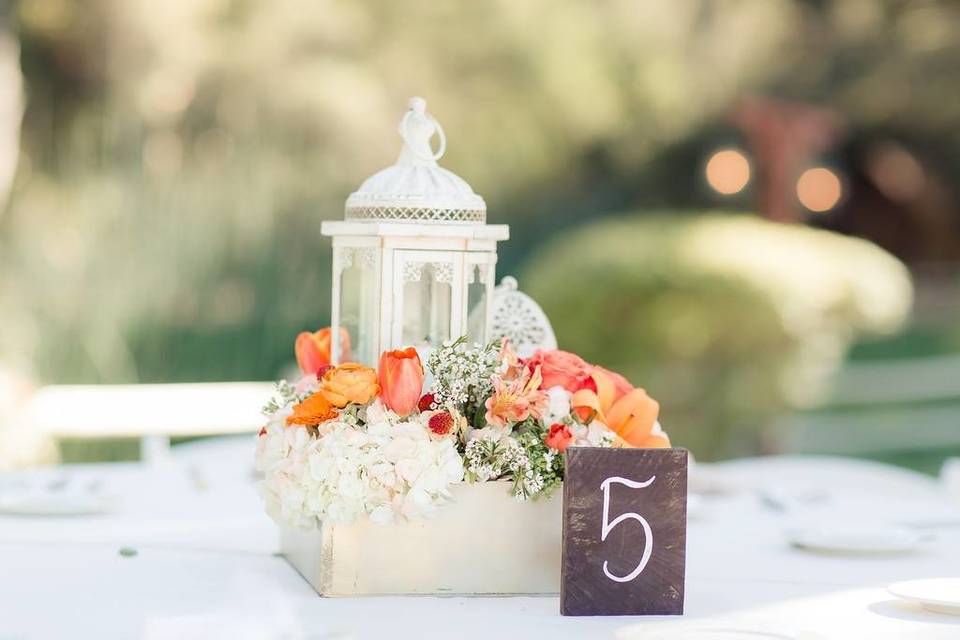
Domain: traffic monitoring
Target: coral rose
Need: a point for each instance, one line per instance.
(313, 350)
(621, 385)
(313, 410)
(350, 383)
(561, 368)
(559, 437)
(401, 380)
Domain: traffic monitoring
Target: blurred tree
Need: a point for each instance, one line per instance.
(177, 157)
(11, 104)
(728, 321)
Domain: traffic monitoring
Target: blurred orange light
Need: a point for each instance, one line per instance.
(728, 171)
(819, 189)
(896, 172)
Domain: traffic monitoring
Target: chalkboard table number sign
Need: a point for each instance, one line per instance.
(624, 531)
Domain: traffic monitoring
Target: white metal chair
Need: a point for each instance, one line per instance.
(881, 407)
(151, 412)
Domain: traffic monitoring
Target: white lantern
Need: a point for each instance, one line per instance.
(413, 260)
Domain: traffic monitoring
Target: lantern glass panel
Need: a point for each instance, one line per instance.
(427, 295)
(359, 305)
(477, 277)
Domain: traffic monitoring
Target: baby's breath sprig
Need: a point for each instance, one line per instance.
(523, 458)
(463, 375)
(286, 395)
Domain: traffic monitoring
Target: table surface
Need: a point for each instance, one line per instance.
(206, 563)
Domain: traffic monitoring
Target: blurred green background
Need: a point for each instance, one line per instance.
(747, 206)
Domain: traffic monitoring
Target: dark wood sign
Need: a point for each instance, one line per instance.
(624, 531)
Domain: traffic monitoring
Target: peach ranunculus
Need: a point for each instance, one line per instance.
(313, 410)
(516, 400)
(559, 437)
(401, 380)
(314, 350)
(631, 415)
(561, 368)
(349, 383)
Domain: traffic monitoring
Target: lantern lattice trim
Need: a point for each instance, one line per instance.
(417, 214)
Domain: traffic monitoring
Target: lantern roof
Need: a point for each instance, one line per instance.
(416, 188)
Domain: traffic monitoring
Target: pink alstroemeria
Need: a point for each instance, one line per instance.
(514, 366)
(516, 400)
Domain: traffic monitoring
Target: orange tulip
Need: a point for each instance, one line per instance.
(401, 380)
(350, 383)
(631, 415)
(313, 350)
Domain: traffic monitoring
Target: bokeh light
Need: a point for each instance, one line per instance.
(728, 171)
(896, 172)
(819, 189)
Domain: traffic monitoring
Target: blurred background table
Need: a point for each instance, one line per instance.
(200, 560)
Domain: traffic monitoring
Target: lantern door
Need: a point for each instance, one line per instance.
(356, 303)
(428, 297)
(478, 300)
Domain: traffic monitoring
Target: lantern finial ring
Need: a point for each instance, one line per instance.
(425, 125)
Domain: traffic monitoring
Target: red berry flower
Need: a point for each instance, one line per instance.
(425, 401)
(559, 437)
(441, 423)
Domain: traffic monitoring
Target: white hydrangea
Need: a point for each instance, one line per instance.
(282, 458)
(596, 434)
(390, 469)
(558, 406)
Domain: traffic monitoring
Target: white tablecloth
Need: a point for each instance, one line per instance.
(204, 499)
(206, 567)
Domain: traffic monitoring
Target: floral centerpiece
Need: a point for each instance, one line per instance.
(347, 441)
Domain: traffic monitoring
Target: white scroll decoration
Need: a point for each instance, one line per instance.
(521, 320)
(443, 272)
(412, 271)
(344, 260)
(348, 257)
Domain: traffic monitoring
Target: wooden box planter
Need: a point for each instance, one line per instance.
(483, 542)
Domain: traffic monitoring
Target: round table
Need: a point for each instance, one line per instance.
(201, 561)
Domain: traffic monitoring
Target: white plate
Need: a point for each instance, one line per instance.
(936, 594)
(855, 539)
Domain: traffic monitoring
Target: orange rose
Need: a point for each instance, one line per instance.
(312, 411)
(313, 350)
(350, 383)
(401, 380)
(561, 368)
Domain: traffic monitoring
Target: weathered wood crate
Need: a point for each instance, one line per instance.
(484, 542)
